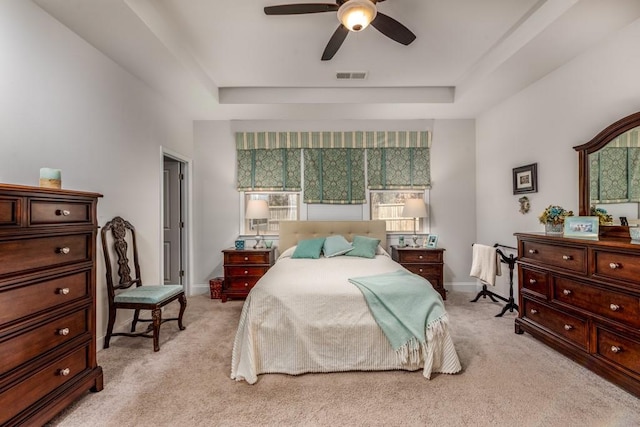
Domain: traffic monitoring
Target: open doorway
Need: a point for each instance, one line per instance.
(174, 220)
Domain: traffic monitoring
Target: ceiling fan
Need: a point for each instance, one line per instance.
(354, 15)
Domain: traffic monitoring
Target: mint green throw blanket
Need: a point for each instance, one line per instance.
(406, 307)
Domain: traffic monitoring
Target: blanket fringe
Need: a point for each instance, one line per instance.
(414, 352)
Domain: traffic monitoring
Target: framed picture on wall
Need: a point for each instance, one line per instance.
(525, 179)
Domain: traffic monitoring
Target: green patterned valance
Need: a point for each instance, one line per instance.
(268, 170)
(398, 168)
(334, 176)
(352, 139)
(615, 174)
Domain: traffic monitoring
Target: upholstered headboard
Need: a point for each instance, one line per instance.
(293, 231)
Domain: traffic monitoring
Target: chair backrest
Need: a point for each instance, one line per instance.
(122, 243)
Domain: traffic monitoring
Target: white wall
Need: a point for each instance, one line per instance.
(541, 124)
(452, 197)
(67, 106)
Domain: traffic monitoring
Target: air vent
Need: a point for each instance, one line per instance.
(353, 75)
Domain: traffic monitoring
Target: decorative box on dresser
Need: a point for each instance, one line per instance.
(242, 270)
(47, 301)
(425, 262)
(582, 298)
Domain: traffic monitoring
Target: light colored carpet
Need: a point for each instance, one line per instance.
(508, 380)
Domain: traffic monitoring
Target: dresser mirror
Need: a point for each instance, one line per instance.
(609, 171)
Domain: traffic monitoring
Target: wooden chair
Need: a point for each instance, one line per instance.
(124, 295)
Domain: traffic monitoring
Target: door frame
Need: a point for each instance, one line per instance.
(187, 217)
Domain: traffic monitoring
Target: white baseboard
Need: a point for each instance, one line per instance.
(463, 286)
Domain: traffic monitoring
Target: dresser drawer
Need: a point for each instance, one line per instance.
(245, 257)
(41, 382)
(47, 212)
(572, 258)
(31, 343)
(617, 266)
(27, 254)
(10, 211)
(570, 327)
(612, 305)
(536, 282)
(240, 284)
(620, 350)
(419, 256)
(45, 295)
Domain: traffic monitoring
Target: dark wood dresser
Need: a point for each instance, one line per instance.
(582, 298)
(425, 262)
(243, 268)
(47, 301)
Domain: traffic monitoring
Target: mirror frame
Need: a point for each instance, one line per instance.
(598, 142)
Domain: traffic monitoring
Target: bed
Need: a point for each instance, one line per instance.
(305, 316)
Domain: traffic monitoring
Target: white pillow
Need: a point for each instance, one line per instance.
(336, 245)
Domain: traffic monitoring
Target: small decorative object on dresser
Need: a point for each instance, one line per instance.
(425, 262)
(47, 301)
(581, 226)
(243, 269)
(582, 298)
(553, 219)
(432, 241)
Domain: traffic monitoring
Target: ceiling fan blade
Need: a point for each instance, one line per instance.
(335, 42)
(393, 29)
(300, 8)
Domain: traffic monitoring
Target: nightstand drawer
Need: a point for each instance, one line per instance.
(246, 257)
(425, 270)
(249, 270)
(418, 256)
(240, 283)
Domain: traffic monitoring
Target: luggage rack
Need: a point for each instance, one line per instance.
(511, 262)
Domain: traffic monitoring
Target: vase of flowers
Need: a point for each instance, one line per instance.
(603, 216)
(553, 219)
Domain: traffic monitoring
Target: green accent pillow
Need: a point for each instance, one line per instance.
(364, 247)
(336, 245)
(309, 248)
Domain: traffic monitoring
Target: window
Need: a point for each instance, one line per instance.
(388, 205)
(282, 206)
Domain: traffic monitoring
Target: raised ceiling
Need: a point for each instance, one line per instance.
(227, 60)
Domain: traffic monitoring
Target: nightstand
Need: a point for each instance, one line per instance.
(425, 262)
(242, 269)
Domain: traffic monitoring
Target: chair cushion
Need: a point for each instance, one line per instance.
(148, 294)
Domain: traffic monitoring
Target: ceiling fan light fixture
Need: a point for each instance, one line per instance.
(356, 15)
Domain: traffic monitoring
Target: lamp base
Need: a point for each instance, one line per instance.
(259, 243)
(414, 238)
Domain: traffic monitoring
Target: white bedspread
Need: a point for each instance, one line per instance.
(304, 316)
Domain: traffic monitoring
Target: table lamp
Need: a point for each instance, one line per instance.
(257, 209)
(414, 208)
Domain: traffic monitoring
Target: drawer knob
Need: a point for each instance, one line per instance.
(614, 265)
(63, 291)
(533, 281)
(63, 212)
(567, 257)
(246, 272)
(246, 284)
(566, 292)
(534, 311)
(64, 250)
(64, 372)
(533, 251)
(63, 331)
(614, 307)
(616, 349)
(420, 270)
(568, 327)
(420, 257)
(246, 258)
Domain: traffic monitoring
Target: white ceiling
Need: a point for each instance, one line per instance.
(227, 60)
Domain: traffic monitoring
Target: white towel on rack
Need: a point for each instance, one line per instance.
(485, 264)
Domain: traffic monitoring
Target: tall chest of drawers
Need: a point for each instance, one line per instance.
(582, 297)
(47, 301)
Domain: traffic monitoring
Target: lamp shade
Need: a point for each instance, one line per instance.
(356, 15)
(414, 208)
(257, 209)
